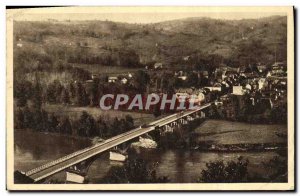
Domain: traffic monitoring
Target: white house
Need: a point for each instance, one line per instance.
(261, 83)
(186, 58)
(214, 88)
(158, 66)
(182, 77)
(112, 79)
(124, 80)
(237, 90)
(201, 97)
(249, 87)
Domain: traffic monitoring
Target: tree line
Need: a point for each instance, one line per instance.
(86, 126)
(235, 171)
(75, 92)
(243, 110)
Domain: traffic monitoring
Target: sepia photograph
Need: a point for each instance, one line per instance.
(150, 98)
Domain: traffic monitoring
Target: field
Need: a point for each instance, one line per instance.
(75, 112)
(227, 132)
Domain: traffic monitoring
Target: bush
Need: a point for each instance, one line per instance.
(219, 172)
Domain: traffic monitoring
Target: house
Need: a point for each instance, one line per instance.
(238, 90)
(224, 98)
(183, 78)
(229, 74)
(242, 69)
(278, 69)
(197, 96)
(124, 80)
(112, 79)
(179, 73)
(158, 66)
(226, 84)
(278, 66)
(248, 87)
(186, 58)
(218, 73)
(95, 76)
(185, 90)
(261, 68)
(204, 74)
(89, 85)
(201, 97)
(214, 88)
(261, 83)
(218, 103)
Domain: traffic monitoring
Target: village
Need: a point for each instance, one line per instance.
(259, 87)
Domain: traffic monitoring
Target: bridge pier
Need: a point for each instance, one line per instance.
(202, 114)
(190, 118)
(166, 129)
(78, 172)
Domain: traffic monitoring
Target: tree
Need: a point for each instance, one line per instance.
(37, 96)
(39, 120)
(65, 126)
(157, 111)
(134, 171)
(253, 51)
(52, 123)
(28, 117)
(72, 90)
(219, 172)
(54, 92)
(81, 97)
(102, 127)
(86, 126)
(65, 97)
(192, 80)
(128, 58)
(19, 119)
(23, 91)
(129, 120)
(140, 80)
(213, 111)
(114, 127)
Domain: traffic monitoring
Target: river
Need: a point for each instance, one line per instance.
(33, 149)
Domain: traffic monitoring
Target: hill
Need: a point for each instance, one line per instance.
(205, 40)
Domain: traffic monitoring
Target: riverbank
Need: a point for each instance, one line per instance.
(241, 147)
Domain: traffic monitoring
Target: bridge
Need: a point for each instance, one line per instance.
(165, 124)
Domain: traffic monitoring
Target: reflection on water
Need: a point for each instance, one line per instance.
(33, 149)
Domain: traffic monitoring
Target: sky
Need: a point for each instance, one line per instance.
(142, 15)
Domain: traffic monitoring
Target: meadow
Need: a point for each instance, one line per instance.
(228, 132)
